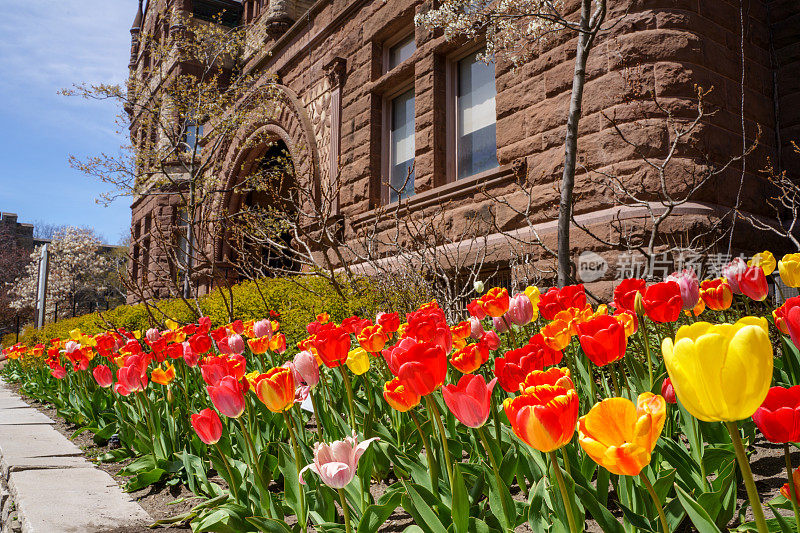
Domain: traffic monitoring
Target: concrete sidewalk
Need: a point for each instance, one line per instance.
(53, 488)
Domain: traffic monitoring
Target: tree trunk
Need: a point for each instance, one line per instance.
(571, 145)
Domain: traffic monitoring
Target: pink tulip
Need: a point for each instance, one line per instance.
(732, 272)
(152, 335)
(263, 328)
(189, 355)
(133, 376)
(336, 463)
(71, 347)
(58, 372)
(305, 364)
(491, 340)
(499, 324)
(236, 343)
(208, 426)
(470, 400)
(103, 375)
(228, 397)
(520, 309)
(689, 285)
(475, 328)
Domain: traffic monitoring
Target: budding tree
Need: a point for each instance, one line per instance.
(510, 27)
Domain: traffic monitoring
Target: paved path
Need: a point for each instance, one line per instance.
(53, 487)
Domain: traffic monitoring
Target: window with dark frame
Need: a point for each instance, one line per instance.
(401, 146)
(475, 116)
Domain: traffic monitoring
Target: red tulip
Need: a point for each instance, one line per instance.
(103, 375)
(625, 293)
(779, 314)
(491, 340)
(495, 302)
(476, 310)
(200, 343)
(470, 358)
(228, 397)
(421, 366)
(793, 325)
(663, 301)
(400, 397)
(753, 283)
(332, 344)
(470, 400)
(778, 418)
(556, 300)
(133, 376)
(668, 391)
(603, 339)
(390, 322)
(512, 368)
(208, 426)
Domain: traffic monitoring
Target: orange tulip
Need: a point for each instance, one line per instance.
(372, 338)
(461, 331)
(163, 377)
(470, 358)
(620, 436)
(557, 334)
(276, 389)
(716, 293)
(495, 302)
(259, 345)
(400, 397)
(544, 415)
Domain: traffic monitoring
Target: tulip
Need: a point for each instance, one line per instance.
(200, 343)
(372, 338)
(275, 389)
(512, 368)
(521, 310)
(103, 375)
(390, 322)
(629, 321)
(470, 399)
(336, 463)
(358, 361)
(478, 286)
(716, 294)
(305, 364)
(208, 426)
(779, 315)
(786, 491)
(475, 329)
(491, 340)
(152, 335)
(720, 372)
(689, 286)
(476, 309)
(621, 436)
(400, 397)
(732, 272)
(163, 377)
(778, 418)
(789, 269)
(544, 415)
(556, 300)
(259, 345)
(753, 283)
(765, 260)
(557, 334)
(668, 391)
(277, 343)
(663, 301)
(499, 324)
(59, 372)
(332, 344)
(603, 340)
(262, 328)
(133, 376)
(228, 396)
(470, 358)
(461, 330)
(421, 367)
(625, 293)
(236, 343)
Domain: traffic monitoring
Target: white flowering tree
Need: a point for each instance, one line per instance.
(80, 274)
(510, 28)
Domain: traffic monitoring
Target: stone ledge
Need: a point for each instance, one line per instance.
(47, 486)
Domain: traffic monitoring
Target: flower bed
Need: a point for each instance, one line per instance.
(634, 414)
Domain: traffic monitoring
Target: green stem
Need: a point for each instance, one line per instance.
(433, 468)
(661, 516)
(510, 520)
(349, 388)
(297, 461)
(747, 475)
(345, 511)
(613, 371)
(320, 436)
(231, 479)
(792, 492)
(435, 415)
(646, 342)
(564, 496)
(700, 456)
(510, 332)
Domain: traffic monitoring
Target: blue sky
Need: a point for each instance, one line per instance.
(46, 45)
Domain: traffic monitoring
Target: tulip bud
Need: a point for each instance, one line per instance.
(520, 310)
(478, 286)
(638, 304)
(475, 328)
(668, 391)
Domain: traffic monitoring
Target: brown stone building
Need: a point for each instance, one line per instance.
(366, 94)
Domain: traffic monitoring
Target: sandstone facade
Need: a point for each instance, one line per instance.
(330, 59)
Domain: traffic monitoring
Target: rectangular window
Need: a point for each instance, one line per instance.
(400, 52)
(401, 146)
(194, 132)
(476, 136)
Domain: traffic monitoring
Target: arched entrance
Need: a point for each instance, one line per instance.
(263, 214)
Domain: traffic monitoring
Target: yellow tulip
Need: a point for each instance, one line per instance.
(75, 334)
(721, 372)
(358, 361)
(534, 294)
(765, 260)
(789, 269)
(171, 324)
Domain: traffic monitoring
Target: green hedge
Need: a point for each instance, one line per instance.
(298, 300)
